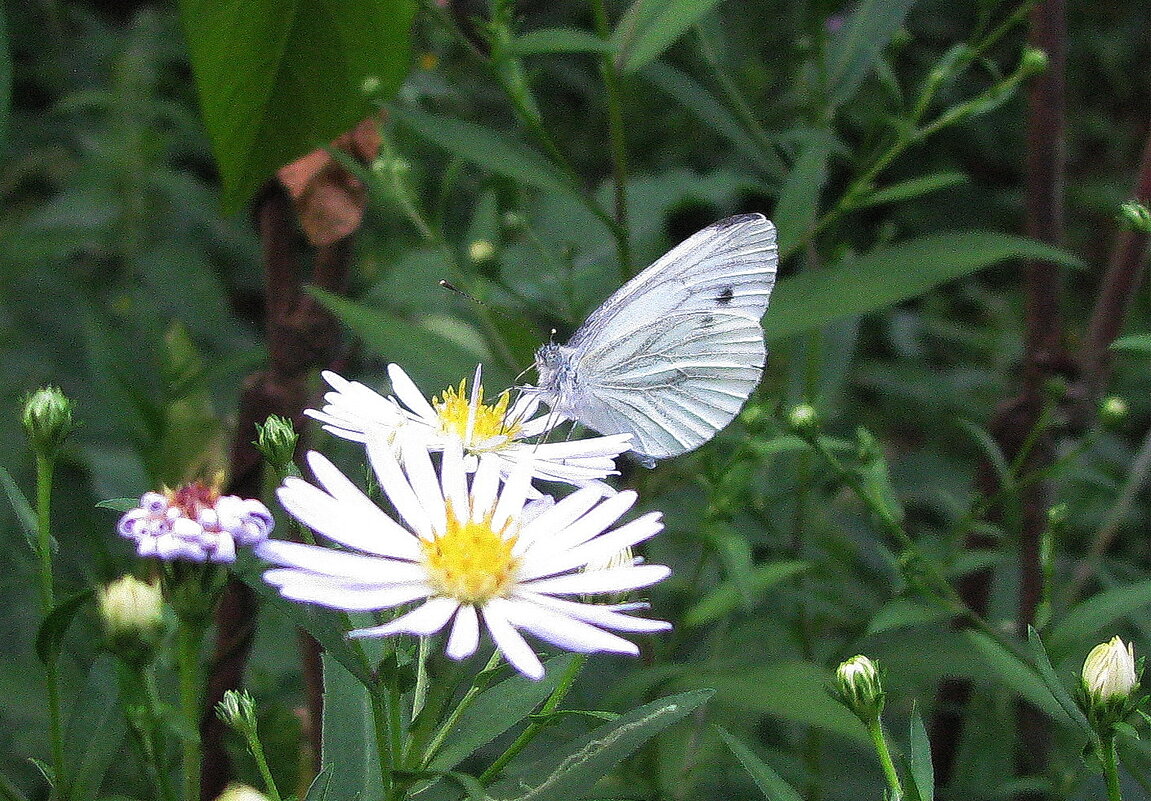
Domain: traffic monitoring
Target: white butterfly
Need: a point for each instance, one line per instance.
(671, 357)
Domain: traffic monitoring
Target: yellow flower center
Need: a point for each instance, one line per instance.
(479, 426)
(470, 561)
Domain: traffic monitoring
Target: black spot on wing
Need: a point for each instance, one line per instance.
(725, 297)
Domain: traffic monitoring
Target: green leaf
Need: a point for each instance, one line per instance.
(1102, 610)
(893, 273)
(1015, 674)
(903, 612)
(95, 732)
(348, 736)
(1054, 685)
(119, 504)
(649, 27)
(8, 789)
(911, 189)
(990, 448)
(770, 783)
(696, 98)
(318, 789)
(25, 514)
(50, 636)
(280, 78)
(798, 203)
(728, 595)
(1135, 343)
(573, 772)
(496, 710)
(5, 79)
(853, 51)
(919, 759)
(491, 150)
(559, 40)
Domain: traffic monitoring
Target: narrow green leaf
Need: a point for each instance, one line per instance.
(318, 789)
(893, 273)
(496, 710)
(1014, 674)
(348, 736)
(9, 791)
(990, 448)
(559, 40)
(50, 636)
(903, 612)
(119, 504)
(491, 150)
(728, 595)
(696, 98)
(5, 79)
(1135, 343)
(572, 773)
(770, 783)
(25, 514)
(1054, 684)
(95, 732)
(649, 27)
(798, 203)
(854, 50)
(912, 188)
(919, 759)
(1087, 618)
(279, 78)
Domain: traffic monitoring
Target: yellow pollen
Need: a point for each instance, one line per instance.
(490, 430)
(470, 562)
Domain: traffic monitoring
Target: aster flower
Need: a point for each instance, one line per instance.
(465, 554)
(507, 430)
(195, 523)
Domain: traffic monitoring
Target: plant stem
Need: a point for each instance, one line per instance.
(1110, 756)
(550, 706)
(44, 470)
(616, 134)
(382, 722)
(442, 733)
(262, 765)
(189, 636)
(875, 729)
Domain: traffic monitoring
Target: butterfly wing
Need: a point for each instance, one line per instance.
(672, 356)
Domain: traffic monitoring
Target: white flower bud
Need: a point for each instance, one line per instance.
(1109, 671)
(859, 687)
(133, 615)
(241, 792)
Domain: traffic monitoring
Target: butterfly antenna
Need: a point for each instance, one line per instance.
(448, 285)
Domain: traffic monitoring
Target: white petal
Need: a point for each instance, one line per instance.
(424, 481)
(485, 484)
(425, 620)
(410, 395)
(353, 566)
(465, 636)
(588, 526)
(454, 480)
(602, 615)
(566, 632)
(609, 446)
(599, 549)
(514, 648)
(559, 517)
(299, 585)
(617, 579)
(513, 496)
(395, 484)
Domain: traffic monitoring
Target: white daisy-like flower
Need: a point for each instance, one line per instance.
(507, 430)
(195, 523)
(466, 553)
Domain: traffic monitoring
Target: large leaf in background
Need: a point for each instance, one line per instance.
(581, 763)
(798, 203)
(770, 783)
(279, 78)
(890, 274)
(5, 79)
(649, 27)
(1092, 620)
(852, 52)
(348, 749)
(95, 732)
(484, 147)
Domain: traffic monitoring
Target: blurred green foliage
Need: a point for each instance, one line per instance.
(891, 159)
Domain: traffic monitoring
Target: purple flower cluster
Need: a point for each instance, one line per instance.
(195, 523)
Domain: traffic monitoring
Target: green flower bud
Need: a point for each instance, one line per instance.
(1033, 61)
(371, 85)
(276, 440)
(133, 616)
(238, 710)
(480, 251)
(1135, 216)
(1113, 411)
(47, 419)
(860, 688)
(804, 418)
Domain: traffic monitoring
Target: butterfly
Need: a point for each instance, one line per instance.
(672, 356)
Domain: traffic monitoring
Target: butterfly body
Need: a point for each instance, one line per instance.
(671, 356)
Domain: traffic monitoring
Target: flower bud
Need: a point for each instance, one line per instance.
(860, 689)
(370, 86)
(1033, 61)
(622, 558)
(133, 615)
(241, 792)
(1113, 411)
(480, 251)
(804, 418)
(276, 440)
(47, 419)
(1135, 216)
(1109, 672)
(238, 710)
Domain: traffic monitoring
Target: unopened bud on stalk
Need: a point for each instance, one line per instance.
(1109, 672)
(47, 419)
(276, 440)
(1113, 411)
(241, 792)
(803, 418)
(1135, 216)
(371, 85)
(860, 689)
(238, 710)
(480, 251)
(133, 615)
(1033, 61)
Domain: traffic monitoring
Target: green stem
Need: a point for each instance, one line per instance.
(382, 723)
(1110, 757)
(44, 470)
(442, 733)
(257, 751)
(550, 706)
(189, 636)
(875, 729)
(616, 134)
